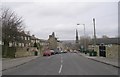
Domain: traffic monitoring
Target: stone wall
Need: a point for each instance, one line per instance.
(24, 52)
(96, 48)
(112, 51)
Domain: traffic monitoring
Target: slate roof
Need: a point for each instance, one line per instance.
(106, 41)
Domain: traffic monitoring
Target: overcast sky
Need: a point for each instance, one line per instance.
(43, 18)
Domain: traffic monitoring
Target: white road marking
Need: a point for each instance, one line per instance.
(60, 69)
(61, 65)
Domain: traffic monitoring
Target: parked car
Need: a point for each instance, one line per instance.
(61, 51)
(57, 51)
(75, 51)
(52, 52)
(47, 53)
(64, 51)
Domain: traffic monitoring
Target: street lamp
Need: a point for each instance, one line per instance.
(84, 35)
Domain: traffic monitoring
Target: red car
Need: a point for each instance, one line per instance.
(47, 53)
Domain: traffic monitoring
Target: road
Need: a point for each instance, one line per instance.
(63, 64)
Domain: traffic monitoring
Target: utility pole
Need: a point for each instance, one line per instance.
(94, 32)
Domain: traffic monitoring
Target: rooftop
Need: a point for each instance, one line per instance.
(106, 41)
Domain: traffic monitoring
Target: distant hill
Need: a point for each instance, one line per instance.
(68, 41)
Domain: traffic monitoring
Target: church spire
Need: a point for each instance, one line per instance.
(53, 34)
(77, 36)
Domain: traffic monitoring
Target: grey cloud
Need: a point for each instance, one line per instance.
(44, 18)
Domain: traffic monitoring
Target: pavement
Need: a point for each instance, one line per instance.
(0, 67)
(8, 63)
(109, 61)
(62, 64)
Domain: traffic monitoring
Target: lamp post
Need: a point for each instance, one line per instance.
(84, 36)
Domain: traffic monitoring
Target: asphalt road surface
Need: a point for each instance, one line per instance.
(63, 64)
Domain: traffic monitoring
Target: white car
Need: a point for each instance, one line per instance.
(61, 51)
(75, 51)
(52, 52)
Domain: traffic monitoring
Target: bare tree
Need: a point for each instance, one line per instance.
(12, 25)
(84, 41)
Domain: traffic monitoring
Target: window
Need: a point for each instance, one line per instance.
(32, 41)
(20, 44)
(0, 42)
(22, 37)
(25, 38)
(28, 38)
(10, 44)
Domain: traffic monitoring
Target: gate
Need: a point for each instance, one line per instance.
(102, 50)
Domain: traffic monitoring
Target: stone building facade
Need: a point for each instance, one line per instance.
(27, 47)
(24, 46)
(111, 47)
(52, 41)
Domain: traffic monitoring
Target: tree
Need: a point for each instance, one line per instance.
(84, 41)
(12, 25)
